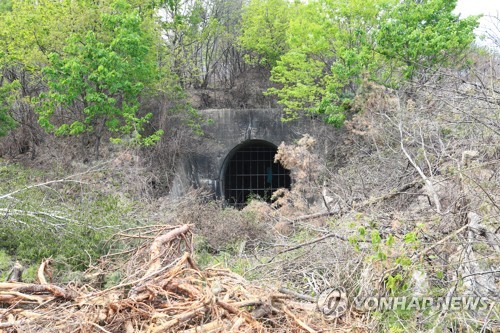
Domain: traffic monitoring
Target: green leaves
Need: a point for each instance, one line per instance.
(99, 77)
(418, 36)
(8, 93)
(5, 6)
(70, 221)
(410, 238)
(328, 48)
(321, 51)
(91, 61)
(265, 24)
(297, 74)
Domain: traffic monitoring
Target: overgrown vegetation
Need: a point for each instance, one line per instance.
(67, 219)
(320, 51)
(405, 204)
(83, 67)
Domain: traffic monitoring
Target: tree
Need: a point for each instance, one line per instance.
(28, 33)
(330, 47)
(79, 67)
(333, 45)
(264, 29)
(98, 78)
(418, 36)
(200, 38)
(6, 96)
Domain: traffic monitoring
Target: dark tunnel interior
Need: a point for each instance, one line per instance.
(252, 172)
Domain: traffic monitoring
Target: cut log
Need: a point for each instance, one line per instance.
(16, 273)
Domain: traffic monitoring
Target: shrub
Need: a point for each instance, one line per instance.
(67, 219)
(222, 227)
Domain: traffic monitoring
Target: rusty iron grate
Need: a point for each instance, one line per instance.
(252, 172)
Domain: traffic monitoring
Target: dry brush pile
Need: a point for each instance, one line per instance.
(172, 295)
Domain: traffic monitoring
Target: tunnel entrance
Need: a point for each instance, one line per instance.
(250, 171)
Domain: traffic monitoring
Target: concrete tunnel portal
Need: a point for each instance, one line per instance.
(249, 171)
(234, 160)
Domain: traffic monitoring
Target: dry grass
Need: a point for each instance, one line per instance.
(173, 295)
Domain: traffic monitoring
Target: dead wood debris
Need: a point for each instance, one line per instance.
(173, 296)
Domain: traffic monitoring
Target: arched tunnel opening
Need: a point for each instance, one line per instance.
(250, 172)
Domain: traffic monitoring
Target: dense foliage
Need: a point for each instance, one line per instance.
(64, 219)
(401, 202)
(99, 77)
(322, 50)
(81, 67)
(86, 65)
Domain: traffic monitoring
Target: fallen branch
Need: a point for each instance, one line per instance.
(426, 179)
(390, 195)
(44, 269)
(176, 297)
(12, 291)
(16, 296)
(233, 310)
(363, 204)
(441, 241)
(177, 320)
(66, 180)
(297, 295)
(329, 235)
(54, 215)
(159, 244)
(299, 322)
(313, 216)
(10, 324)
(213, 326)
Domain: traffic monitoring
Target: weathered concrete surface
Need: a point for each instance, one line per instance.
(228, 129)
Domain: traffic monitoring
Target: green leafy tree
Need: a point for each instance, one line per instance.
(34, 29)
(6, 97)
(97, 80)
(417, 36)
(264, 29)
(330, 48)
(326, 48)
(29, 31)
(5, 5)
